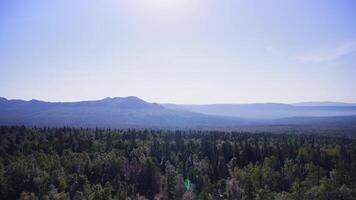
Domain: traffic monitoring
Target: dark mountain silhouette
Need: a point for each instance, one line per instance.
(109, 112)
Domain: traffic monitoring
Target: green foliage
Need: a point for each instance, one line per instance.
(104, 164)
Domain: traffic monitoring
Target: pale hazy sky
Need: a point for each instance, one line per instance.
(179, 51)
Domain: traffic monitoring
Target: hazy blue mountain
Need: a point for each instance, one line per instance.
(134, 112)
(109, 112)
(267, 110)
(325, 103)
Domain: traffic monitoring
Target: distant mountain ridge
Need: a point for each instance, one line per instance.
(271, 110)
(126, 112)
(115, 112)
(324, 103)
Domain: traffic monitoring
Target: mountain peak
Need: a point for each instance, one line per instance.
(36, 101)
(130, 102)
(133, 98)
(123, 98)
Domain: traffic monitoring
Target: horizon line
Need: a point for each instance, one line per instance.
(108, 97)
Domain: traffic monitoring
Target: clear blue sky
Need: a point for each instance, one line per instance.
(179, 51)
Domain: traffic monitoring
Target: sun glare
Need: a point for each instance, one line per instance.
(169, 3)
(166, 7)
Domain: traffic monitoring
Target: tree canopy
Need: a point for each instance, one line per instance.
(74, 163)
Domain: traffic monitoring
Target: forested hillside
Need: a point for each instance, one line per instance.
(100, 164)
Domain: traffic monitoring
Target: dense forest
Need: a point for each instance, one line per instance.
(102, 164)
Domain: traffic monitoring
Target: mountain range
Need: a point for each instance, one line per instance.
(133, 112)
(271, 110)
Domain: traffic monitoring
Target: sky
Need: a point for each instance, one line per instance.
(179, 51)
